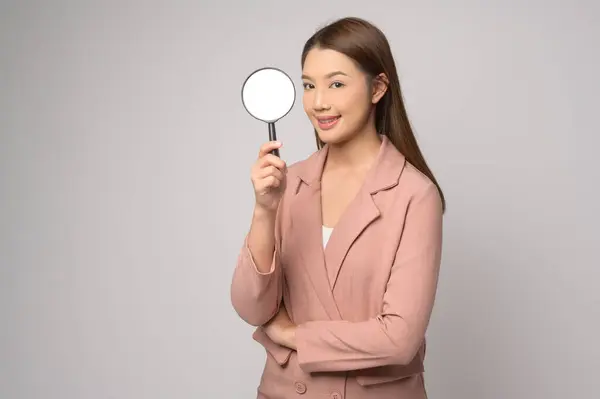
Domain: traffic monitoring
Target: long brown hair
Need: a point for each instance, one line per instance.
(369, 48)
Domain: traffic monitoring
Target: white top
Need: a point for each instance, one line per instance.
(326, 234)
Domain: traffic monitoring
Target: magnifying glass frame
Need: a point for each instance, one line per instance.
(271, 123)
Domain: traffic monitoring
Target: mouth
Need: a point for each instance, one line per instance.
(328, 122)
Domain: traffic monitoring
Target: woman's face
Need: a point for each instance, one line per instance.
(336, 98)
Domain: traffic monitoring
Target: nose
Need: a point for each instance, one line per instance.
(319, 101)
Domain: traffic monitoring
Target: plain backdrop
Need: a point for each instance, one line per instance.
(125, 194)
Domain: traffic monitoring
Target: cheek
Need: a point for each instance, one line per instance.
(306, 102)
(352, 104)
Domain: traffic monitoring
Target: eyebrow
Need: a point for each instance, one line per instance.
(329, 75)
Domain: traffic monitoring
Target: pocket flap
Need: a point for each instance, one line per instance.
(281, 354)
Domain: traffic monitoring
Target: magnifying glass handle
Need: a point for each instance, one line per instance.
(273, 137)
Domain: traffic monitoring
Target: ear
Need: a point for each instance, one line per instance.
(380, 85)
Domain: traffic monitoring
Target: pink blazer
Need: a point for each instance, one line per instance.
(362, 304)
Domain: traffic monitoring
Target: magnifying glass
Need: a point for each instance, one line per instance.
(268, 94)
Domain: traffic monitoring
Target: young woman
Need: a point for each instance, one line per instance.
(340, 267)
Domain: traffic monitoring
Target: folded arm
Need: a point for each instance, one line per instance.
(396, 334)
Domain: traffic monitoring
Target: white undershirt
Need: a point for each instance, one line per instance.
(326, 234)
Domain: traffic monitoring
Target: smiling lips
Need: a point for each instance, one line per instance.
(327, 122)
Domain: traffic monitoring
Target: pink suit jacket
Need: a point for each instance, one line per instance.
(363, 303)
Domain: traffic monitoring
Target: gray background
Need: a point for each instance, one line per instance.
(124, 190)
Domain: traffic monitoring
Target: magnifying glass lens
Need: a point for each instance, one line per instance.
(268, 94)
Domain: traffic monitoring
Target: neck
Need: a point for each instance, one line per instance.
(356, 153)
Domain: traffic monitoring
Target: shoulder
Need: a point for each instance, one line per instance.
(405, 181)
(417, 186)
(293, 175)
(293, 169)
(306, 169)
(298, 171)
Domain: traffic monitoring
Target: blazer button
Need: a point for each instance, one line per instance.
(336, 395)
(300, 388)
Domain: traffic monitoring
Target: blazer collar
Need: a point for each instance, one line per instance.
(384, 174)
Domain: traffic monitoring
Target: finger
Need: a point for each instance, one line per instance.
(270, 171)
(270, 159)
(266, 184)
(272, 182)
(267, 167)
(267, 147)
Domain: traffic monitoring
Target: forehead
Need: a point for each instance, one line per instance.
(321, 62)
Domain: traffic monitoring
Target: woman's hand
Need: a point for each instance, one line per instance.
(268, 177)
(281, 329)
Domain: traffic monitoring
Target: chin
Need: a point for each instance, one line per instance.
(329, 137)
(334, 136)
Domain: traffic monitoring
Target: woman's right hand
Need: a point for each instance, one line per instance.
(268, 177)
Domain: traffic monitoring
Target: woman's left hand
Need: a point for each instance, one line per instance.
(281, 329)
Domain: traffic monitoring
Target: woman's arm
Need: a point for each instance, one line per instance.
(256, 288)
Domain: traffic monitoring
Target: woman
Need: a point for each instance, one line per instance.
(340, 267)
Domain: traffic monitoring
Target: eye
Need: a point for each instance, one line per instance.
(337, 85)
(307, 86)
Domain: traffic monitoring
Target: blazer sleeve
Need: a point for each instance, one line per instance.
(255, 295)
(395, 335)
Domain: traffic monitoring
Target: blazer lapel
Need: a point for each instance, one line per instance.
(361, 212)
(308, 232)
(309, 238)
(323, 265)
